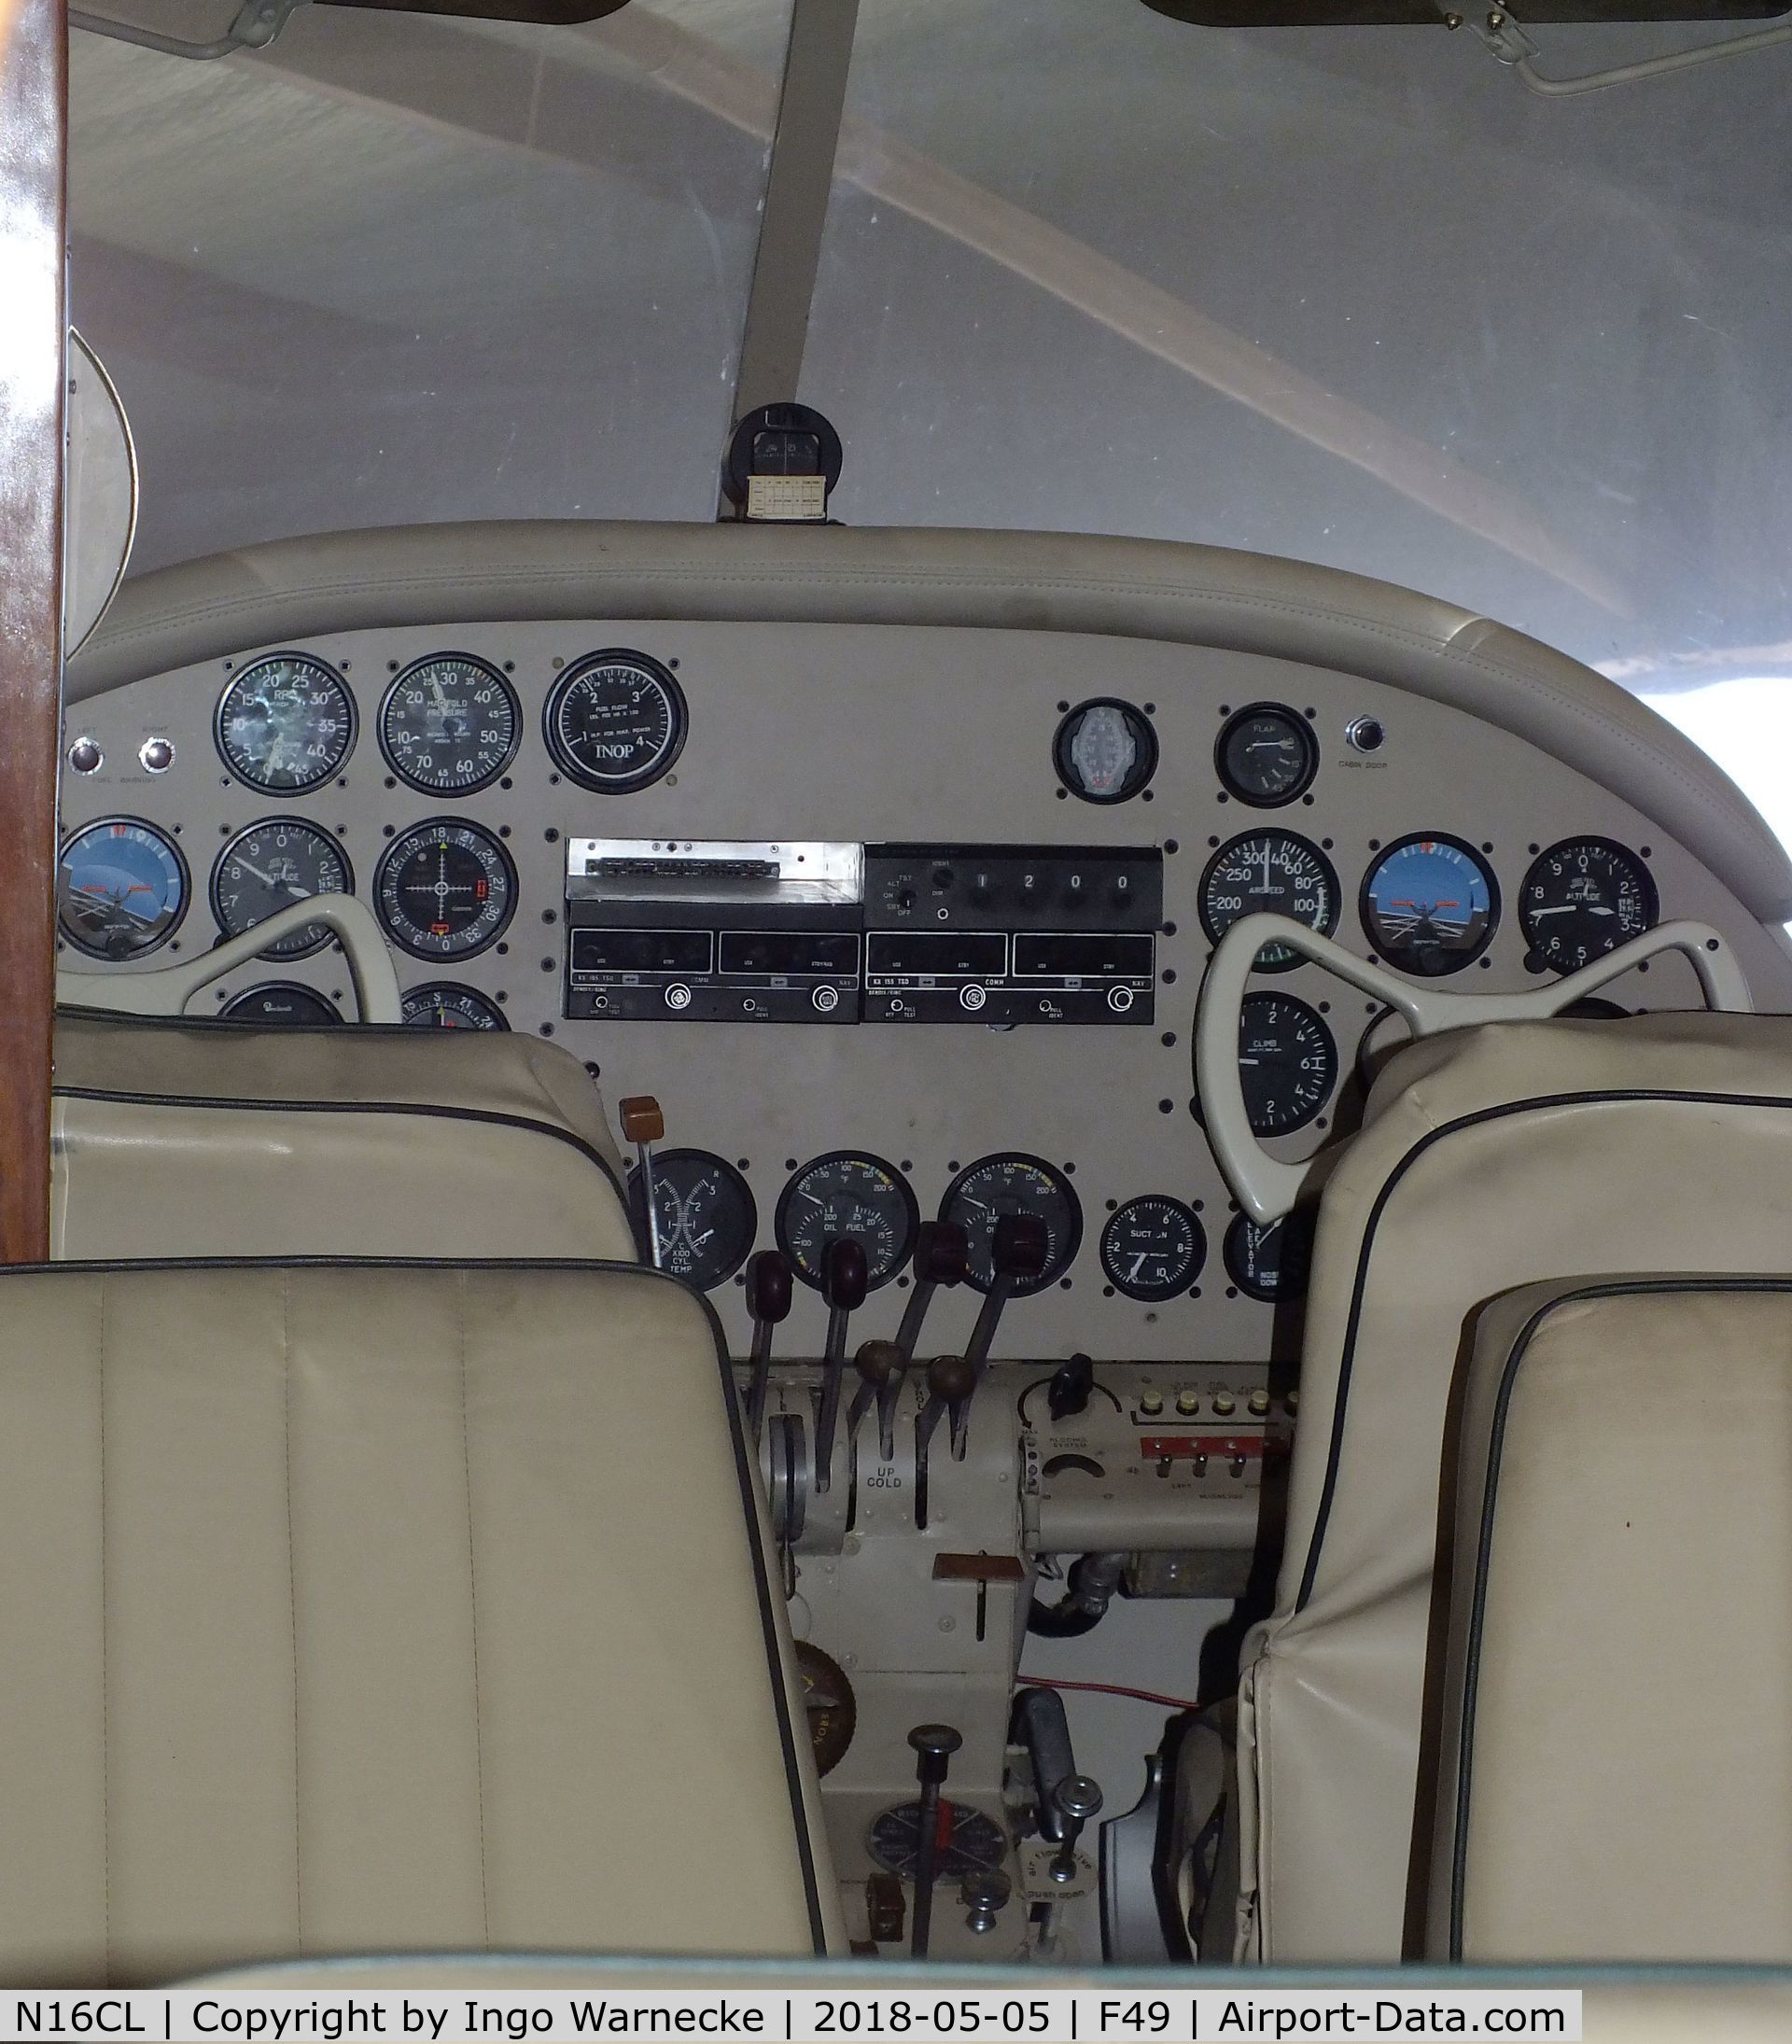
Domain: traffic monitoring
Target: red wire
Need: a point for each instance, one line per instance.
(1112, 1688)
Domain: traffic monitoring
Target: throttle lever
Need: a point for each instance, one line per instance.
(950, 1382)
(879, 1365)
(1019, 1252)
(846, 1277)
(768, 1297)
(942, 1255)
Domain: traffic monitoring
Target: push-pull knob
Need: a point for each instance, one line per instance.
(845, 1277)
(935, 1746)
(1077, 1799)
(768, 1298)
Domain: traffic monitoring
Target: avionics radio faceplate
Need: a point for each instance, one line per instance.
(715, 930)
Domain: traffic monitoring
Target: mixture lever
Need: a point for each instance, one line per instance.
(1020, 1251)
(942, 1251)
(846, 1277)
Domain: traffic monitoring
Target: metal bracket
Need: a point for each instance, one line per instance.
(1510, 45)
(257, 24)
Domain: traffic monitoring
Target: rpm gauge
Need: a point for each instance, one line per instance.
(445, 1005)
(120, 889)
(707, 1215)
(1287, 1062)
(450, 724)
(269, 867)
(286, 724)
(1153, 1248)
(1012, 1183)
(1430, 905)
(615, 721)
(1583, 898)
(1269, 872)
(445, 890)
(845, 1194)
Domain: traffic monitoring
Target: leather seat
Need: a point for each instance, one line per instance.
(181, 1139)
(346, 1610)
(1488, 1160)
(1616, 1754)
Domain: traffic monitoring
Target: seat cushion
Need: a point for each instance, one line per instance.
(355, 1607)
(1615, 1756)
(1488, 1159)
(208, 1139)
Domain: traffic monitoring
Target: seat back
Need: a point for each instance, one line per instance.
(1615, 1752)
(210, 1139)
(1488, 1159)
(360, 1607)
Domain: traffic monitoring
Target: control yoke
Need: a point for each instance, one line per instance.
(1264, 1186)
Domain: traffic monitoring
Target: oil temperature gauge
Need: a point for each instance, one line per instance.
(1153, 1248)
(1012, 1183)
(845, 1194)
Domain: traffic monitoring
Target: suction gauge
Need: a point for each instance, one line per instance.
(1583, 898)
(1105, 750)
(1153, 1248)
(615, 723)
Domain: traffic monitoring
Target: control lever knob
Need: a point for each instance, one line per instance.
(935, 1746)
(768, 1287)
(951, 1379)
(1021, 1247)
(984, 1891)
(942, 1251)
(877, 1362)
(1077, 1799)
(846, 1275)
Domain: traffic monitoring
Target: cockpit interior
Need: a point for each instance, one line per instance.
(896, 1056)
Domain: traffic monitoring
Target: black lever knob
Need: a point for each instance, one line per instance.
(768, 1287)
(935, 1746)
(846, 1275)
(1021, 1247)
(768, 1295)
(942, 1251)
(1077, 1799)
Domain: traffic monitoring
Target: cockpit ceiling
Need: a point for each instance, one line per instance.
(1427, 13)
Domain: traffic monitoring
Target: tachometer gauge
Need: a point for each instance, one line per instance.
(1267, 755)
(286, 724)
(450, 724)
(1269, 1263)
(615, 721)
(1430, 905)
(270, 866)
(282, 1004)
(1269, 872)
(1287, 1062)
(1011, 1182)
(445, 890)
(845, 1194)
(445, 1005)
(1583, 898)
(706, 1214)
(120, 889)
(967, 1842)
(1105, 750)
(1153, 1248)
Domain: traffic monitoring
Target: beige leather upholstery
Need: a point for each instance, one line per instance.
(1615, 1749)
(1488, 1159)
(473, 570)
(344, 1612)
(180, 1139)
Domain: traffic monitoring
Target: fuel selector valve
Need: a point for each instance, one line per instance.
(846, 1277)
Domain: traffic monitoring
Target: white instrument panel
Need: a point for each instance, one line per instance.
(855, 734)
